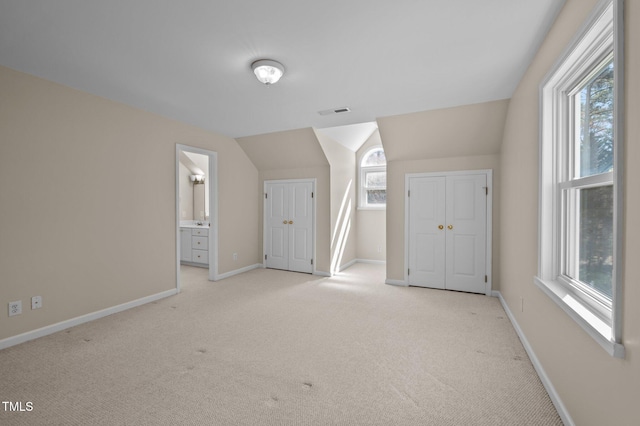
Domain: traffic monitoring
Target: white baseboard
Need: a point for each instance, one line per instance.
(322, 273)
(354, 261)
(238, 271)
(555, 398)
(347, 265)
(396, 282)
(54, 328)
(371, 261)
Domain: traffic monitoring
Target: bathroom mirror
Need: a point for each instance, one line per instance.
(199, 211)
(194, 187)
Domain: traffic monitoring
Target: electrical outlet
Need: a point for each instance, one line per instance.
(15, 308)
(235, 256)
(36, 302)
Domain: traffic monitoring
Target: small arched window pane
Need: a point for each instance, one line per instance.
(373, 179)
(376, 180)
(374, 158)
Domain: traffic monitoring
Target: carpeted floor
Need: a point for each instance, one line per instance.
(276, 348)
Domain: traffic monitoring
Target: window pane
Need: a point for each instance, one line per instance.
(596, 238)
(596, 124)
(376, 180)
(377, 196)
(375, 158)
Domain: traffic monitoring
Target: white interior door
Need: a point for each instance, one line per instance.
(277, 227)
(447, 232)
(466, 233)
(289, 226)
(300, 227)
(427, 217)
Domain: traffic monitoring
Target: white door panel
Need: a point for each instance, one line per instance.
(275, 212)
(300, 231)
(447, 232)
(426, 243)
(289, 226)
(465, 247)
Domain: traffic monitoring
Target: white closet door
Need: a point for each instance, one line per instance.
(447, 232)
(466, 240)
(277, 226)
(289, 226)
(300, 227)
(427, 239)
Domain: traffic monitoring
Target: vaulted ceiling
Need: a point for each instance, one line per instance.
(190, 59)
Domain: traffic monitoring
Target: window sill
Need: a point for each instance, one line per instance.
(372, 208)
(599, 330)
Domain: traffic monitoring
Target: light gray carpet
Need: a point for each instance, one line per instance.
(277, 348)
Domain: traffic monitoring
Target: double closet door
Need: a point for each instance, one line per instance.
(448, 232)
(288, 211)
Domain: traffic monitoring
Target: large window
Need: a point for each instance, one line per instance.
(373, 179)
(580, 200)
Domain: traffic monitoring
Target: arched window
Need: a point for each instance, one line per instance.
(373, 179)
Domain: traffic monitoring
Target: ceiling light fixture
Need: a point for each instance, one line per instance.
(267, 71)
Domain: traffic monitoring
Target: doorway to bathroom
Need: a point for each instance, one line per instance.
(196, 210)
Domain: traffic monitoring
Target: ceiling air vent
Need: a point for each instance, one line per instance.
(334, 111)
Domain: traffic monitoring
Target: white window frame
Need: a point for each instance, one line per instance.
(363, 204)
(600, 37)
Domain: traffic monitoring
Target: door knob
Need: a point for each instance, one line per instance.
(450, 227)
(290, 222)
(284, 221)
(440, 226)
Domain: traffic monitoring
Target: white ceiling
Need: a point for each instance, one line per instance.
(190, 59)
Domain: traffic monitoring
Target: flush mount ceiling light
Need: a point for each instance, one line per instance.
(267, 71)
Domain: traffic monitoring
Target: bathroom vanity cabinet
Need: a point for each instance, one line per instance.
(194, 246)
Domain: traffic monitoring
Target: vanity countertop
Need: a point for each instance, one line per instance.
(193, 225)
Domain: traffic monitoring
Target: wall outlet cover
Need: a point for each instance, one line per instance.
(36, 302)
(15, 308)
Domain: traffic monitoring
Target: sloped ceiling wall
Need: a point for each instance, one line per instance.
(450, 132)
(291, 149)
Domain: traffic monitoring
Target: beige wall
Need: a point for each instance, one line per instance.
(372, 235)
(343, 201)
(371, 224)
(87, 201)
(451, 139)
(595, 388)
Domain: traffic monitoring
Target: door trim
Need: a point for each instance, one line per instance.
(213, 210)
(489, 240)
(264, 217)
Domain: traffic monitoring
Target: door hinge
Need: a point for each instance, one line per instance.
(312, 261)
(312, 195)
(485, 279)
(265, 195)
(265, 257)
(408, 271)
(409, 193)
(486, 190)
